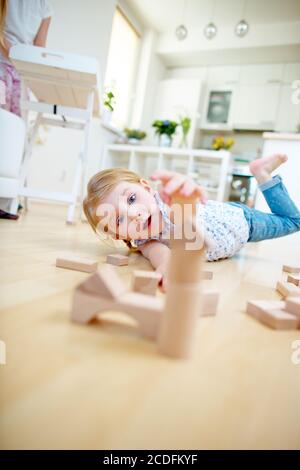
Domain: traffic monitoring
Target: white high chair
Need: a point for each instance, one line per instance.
(65, 85)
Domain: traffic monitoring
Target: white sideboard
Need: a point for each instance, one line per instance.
(209, 168)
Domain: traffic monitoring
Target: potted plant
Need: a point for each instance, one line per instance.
(220, 143)
(185, 124)
(165, 131)
(109, 102)
(134, 136)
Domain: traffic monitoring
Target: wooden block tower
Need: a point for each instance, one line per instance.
(184, 297)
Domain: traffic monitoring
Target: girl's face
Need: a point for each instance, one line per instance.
(130, 212)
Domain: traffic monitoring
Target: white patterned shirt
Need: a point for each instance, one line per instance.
(225, 225)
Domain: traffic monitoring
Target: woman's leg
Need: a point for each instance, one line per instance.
(11, 85)
(7, 80)
(16, 93)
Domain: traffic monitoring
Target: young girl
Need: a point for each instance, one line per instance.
(124, 206)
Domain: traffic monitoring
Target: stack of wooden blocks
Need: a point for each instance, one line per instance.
(171, 321)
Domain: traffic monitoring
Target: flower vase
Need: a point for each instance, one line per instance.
(106, 115)
(184, 142)
(165, 140)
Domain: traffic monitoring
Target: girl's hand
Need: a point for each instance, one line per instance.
(173, 182)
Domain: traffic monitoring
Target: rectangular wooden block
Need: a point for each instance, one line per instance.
(292, 305)
(117, 260)
(287, 289)
(291, 268)
(78, 264)
(294, 279)
(145, 282)
(208, 274)
(210, 302)
(271, 313)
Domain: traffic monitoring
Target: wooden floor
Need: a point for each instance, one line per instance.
(103, 387)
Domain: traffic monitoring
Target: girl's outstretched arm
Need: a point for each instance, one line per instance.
(158, 254)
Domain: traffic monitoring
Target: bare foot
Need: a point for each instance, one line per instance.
(263, 167)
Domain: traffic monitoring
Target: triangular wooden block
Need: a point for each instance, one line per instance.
(104, 283)
(287, 289)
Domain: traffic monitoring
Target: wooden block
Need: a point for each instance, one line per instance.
(256, 307)
(85, 306)
(287, 289)
(104, 283)
(117, 260)
(76, 263)
(294, 279)
(272, 314)
(184, 304)
(145, 282)
(291, 268)
(292, 305)
(145, 309)
(209, 303)
(208, 274)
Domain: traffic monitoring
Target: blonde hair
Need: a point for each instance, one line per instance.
(100, 185)
(3, 11)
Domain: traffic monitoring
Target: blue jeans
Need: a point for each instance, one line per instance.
(285, 217)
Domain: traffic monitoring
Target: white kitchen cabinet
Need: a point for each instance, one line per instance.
(223, 76)
(291, 72)
(178, 97)
(255, 106)
(288, 113)
(261, 74)
(257, 97)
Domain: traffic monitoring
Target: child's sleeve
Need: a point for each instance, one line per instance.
(138, 243)
(46, 9)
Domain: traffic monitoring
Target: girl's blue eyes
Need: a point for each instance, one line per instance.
(130, 200)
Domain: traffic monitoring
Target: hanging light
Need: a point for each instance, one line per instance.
(181, 31)
(210, 29)
(242, 27)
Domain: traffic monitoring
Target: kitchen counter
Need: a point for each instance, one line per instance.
(281, 136)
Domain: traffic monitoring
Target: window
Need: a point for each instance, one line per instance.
(121, 67)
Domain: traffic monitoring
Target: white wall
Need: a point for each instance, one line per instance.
(151, 71)
(80, 27)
